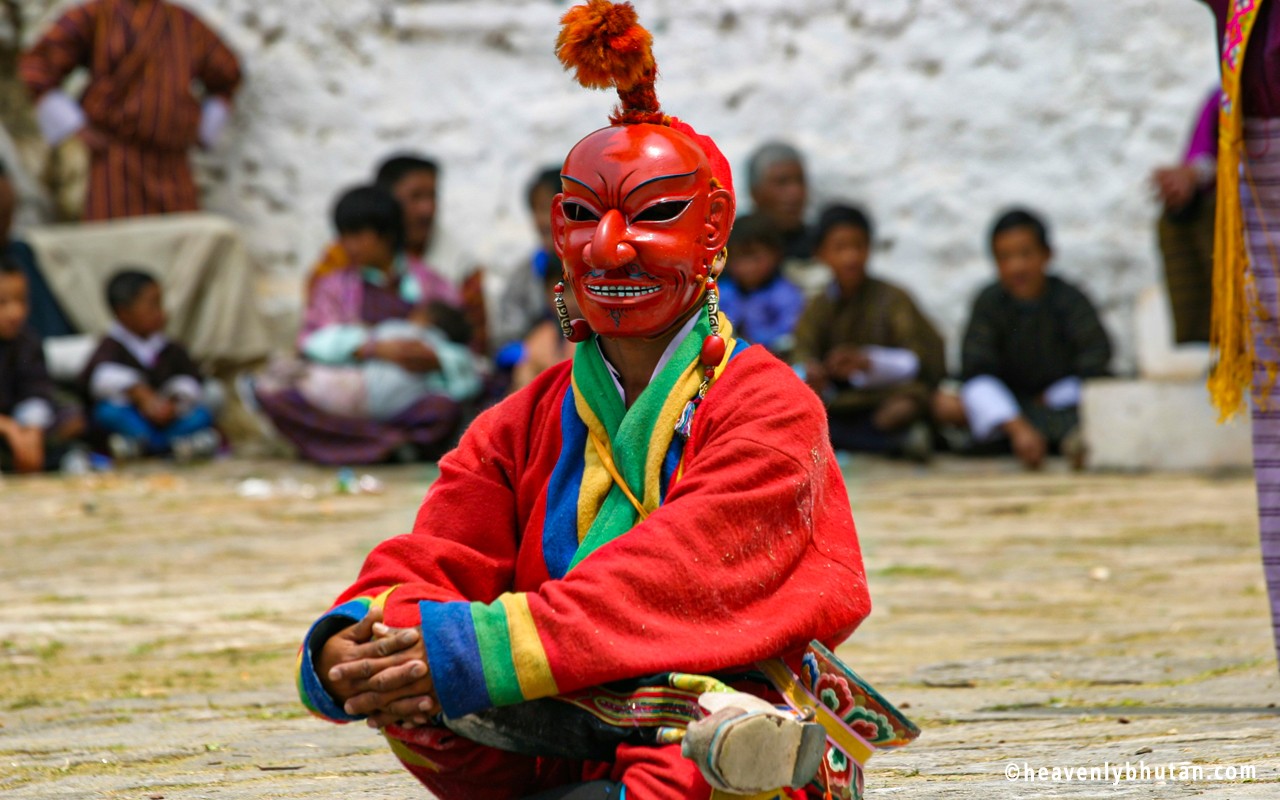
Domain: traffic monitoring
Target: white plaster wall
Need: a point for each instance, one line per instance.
(933, 113)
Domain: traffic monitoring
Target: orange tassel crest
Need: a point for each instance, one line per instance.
(607, 47)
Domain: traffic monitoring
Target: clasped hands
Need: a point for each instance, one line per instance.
(380, 673)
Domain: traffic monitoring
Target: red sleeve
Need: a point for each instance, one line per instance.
(65, 46)
(216, 67)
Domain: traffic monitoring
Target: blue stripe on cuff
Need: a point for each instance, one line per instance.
(316, 697)
(454, 657)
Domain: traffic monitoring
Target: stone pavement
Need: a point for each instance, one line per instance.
(148, 623)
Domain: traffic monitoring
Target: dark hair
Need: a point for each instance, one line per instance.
(451, 322)
(554, 273)
(1014, 218)
(400, 165)
(126, 286)
(547, 178)
(833, 216)
(10, 266)
(370, 208)
(755, 229)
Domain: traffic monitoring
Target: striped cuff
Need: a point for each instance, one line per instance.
(310, 689)
(485, 655)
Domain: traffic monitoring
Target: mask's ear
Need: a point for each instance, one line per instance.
(557, 225)
(720, 210)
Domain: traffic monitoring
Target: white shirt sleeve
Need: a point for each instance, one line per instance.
(184, 390)
(889, 366)
(111, 382)
(988, 404)
(34, 412)
(1064, 393)
(58, 116)
(214, 116)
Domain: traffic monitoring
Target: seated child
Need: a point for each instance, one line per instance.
(33, 435)
(144, 391)
(762, 303)
(380, 378)
(1032, 338)
(866, 348)
(545, 345)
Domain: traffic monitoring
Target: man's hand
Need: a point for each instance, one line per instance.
(28, 450)
(27, 445)
(410, 354)
(845, 362)
(1175, 186)
(369, 666)
(1029, 444)
(403, 693)
(160, 410)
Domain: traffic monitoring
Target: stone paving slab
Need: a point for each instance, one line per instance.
(148, 624)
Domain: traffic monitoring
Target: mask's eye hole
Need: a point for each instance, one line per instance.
(662, 212)
(577, 212)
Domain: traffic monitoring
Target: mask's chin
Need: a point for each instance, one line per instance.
(650, 330)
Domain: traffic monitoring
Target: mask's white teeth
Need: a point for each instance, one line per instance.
(623, 291)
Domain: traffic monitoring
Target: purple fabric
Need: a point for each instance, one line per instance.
(339, 298)
(1261, 78)
(1204, 141)
(344, 298)
(429, 424)
(1262, 226)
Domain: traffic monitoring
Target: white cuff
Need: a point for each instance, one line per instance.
(111, 382)
(889, 366)
(34, 412)
(59, 117)
(183, 387)
(214, 116)
(1064, 393)
(988, 404)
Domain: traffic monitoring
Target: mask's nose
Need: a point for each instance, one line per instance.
(607, 249)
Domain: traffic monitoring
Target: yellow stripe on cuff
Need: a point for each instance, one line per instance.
(530, 658)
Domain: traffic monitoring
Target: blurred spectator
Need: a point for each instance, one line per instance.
(762, 303)
(545, 346)
(865, 347)
(780, 191)
(523, 303)
(450, 274)
(144, 391)
(138, 116)
(1032, 340)
(34, 434)
(1187, 194)
(383, 380)
(46, 316)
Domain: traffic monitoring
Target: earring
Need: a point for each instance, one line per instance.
(713, 347)
(575, 330)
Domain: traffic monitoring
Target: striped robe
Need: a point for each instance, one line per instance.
(142, 57)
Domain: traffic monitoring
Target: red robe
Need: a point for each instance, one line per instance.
(752, 554)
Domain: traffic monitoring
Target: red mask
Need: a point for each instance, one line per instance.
(638, 227)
